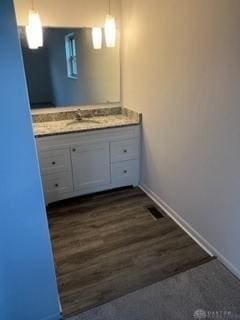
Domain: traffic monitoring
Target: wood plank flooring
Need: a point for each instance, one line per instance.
(108, 244)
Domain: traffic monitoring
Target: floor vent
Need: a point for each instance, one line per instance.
(156, 213)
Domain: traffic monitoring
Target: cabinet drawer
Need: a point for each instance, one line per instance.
(55, 161)
(124, 150)
(55, 184)
(125, 173)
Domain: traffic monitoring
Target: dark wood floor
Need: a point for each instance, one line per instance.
(108, 245)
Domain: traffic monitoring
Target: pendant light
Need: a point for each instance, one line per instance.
(110, 28)
(34, 31)
(97, 38)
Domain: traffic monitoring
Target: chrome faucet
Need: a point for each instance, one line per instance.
(78, 114)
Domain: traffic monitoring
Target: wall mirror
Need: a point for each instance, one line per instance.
(68, 71)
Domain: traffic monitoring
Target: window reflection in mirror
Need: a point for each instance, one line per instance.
(68, 71)
(71, 55)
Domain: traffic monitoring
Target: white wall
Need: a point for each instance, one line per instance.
(28, 289)
(68, 13)
(181, 68)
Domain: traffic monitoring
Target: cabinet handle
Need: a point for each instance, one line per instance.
(74, 150)
(125, 151)
(125, 171)
(53, 163)
(56, 185)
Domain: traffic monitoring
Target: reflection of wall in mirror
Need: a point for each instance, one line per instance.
(98, 78)
(37, 73)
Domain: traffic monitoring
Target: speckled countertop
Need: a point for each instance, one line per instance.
(49, 122)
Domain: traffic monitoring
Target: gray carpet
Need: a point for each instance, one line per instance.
(209, 287)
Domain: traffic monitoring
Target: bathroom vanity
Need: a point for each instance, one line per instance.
(81, 155)
(96, 148)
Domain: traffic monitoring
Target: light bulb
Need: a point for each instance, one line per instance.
(34, 31)
(110, 31)
(97, 38)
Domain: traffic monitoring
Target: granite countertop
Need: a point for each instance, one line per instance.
(56, 121)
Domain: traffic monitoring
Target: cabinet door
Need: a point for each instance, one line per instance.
(91, 165)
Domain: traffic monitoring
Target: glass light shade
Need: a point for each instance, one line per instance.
(97, 38)
(110, 31)
(34, 31)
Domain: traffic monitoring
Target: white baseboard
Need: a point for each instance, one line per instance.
(201, 241)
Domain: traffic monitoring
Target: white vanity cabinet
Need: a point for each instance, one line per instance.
(86, 162)
(90, 165)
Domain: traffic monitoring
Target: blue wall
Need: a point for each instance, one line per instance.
(28, 288)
